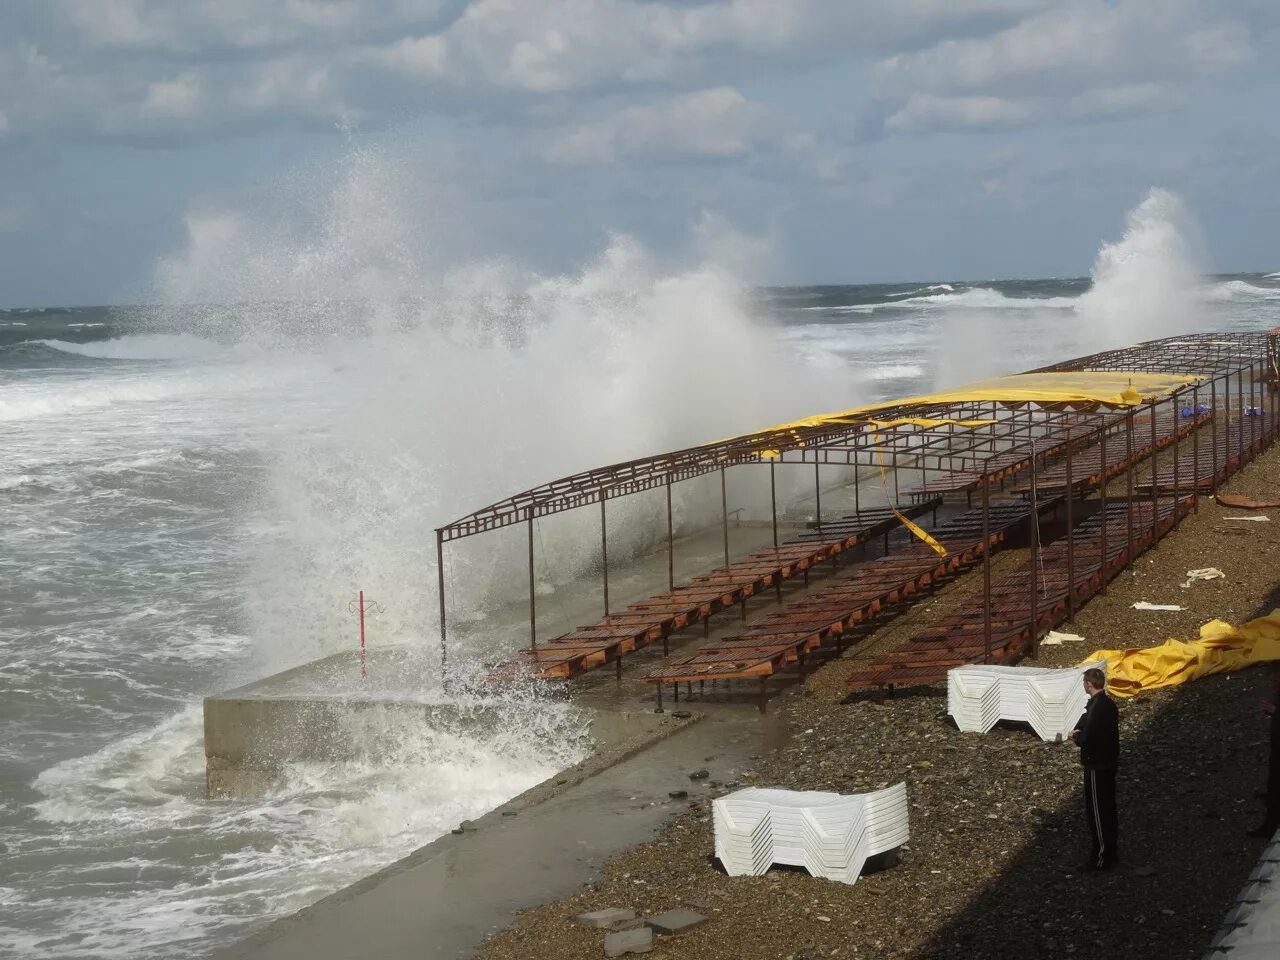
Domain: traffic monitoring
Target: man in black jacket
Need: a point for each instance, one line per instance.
(1097, 734)
(1271, 822)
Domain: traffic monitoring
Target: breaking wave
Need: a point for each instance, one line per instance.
(177, 346)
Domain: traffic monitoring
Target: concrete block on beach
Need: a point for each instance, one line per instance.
(638, 940)
(605, 918)
(675, 921)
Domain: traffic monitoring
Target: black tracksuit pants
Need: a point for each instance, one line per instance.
(1100, 812)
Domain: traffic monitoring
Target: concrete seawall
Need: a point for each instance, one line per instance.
(254, 732)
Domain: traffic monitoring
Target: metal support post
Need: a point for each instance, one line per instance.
(1128, 484)
(1177, 433)
(604, 555)
(671, 542)
(1213, 433)
(1071, 544)
(1195, 448)
(724, 509)
(986, 569)
(1035, 558)
(444, 644)
(773, 500)
(1102, 497)
(817, 495)
(533, 610)
(1155, 473)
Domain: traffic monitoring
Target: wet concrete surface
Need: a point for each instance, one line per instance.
(443, 899)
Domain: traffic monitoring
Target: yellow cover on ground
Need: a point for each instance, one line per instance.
(1221, 648)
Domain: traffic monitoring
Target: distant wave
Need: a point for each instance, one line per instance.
(178, 346)
(1241, 290)
(983, 298)
(896, 371)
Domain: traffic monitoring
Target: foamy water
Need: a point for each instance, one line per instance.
(194, 495)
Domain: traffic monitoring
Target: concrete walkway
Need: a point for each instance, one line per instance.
(442, 900)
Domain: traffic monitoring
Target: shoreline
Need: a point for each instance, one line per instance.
(997, 833)
(443, 898)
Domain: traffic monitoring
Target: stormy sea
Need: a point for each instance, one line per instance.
(195, 486)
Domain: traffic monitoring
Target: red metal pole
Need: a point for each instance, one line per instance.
(362, 666)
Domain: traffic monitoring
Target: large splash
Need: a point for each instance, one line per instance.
(421, 392)
(1145, 285)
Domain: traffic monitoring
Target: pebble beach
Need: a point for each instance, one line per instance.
(993, 867)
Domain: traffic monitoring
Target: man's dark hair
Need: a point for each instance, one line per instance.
(1097, 678)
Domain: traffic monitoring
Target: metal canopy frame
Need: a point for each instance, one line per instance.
(1022, 435)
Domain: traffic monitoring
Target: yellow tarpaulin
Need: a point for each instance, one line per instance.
(1221, 648)
(1111, 389)
(877, 424)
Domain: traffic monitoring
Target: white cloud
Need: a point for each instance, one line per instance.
(131, 67)
(178, 26)
(559, 45)
(15, 214)
(157, 69)
(1080, 59)
(177, 98)
(719, 122)
(924, 111)
(1106, 102)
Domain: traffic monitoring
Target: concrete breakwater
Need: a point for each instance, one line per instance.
(309, 714)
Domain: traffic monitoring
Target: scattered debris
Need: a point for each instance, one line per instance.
(1143, 605)
(678, 794)
(605, 918)
(700, 774)
(1246, 503)
(1204, 573)
(1053, 638)
(638, 940)
(1263, 519)
(675, 921)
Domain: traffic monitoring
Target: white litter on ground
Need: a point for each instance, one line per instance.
(1053, 638)
(1143, 605)
(1205, 573)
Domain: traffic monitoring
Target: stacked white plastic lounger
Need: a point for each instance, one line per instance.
(978, 696)
(828, 834)
(1251, 928)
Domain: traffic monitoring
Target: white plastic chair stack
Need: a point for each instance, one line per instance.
(979, 695)
(829, 834)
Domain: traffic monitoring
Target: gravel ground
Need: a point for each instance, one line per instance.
(998, 832)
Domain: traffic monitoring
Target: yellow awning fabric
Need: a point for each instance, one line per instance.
(1221, 648)
(878, 425)
(1085, 389)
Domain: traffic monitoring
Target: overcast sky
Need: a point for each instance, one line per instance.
(865, 139)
